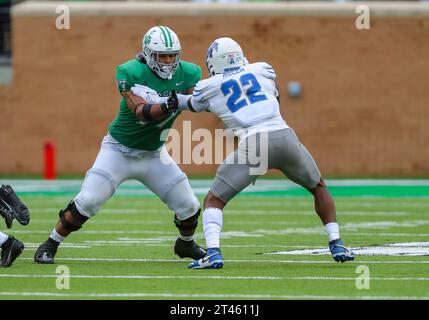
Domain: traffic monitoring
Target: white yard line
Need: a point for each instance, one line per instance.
(402, 234)
(239, 261)
(207, 277)
(140, 277)
(202, 295)
(120, 232)
(232, 212)
(301, 231)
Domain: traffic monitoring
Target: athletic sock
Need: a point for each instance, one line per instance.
(56, 236)
(186, 238)
(3, 238)
(212, 225)
(333, 231)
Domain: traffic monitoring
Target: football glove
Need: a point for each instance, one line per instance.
(172, 102)
(179, 101)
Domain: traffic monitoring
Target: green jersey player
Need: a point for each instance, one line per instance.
(134, 148)
(146, 135)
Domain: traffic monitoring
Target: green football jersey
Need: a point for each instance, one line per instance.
(126, 128)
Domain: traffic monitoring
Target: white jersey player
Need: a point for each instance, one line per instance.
(245, 97)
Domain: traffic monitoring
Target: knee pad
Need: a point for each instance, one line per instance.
(189, 207)
(77, 217)
(190, 223)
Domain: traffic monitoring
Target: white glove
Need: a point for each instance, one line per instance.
(148, 94)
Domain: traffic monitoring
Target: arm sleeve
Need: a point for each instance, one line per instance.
(123, 79)
(199, 101)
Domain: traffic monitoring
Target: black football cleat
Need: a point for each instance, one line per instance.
(10, 250)
(11, 201)
(188, 249)
(46, 252)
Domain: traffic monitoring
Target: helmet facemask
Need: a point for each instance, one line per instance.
(164, 70)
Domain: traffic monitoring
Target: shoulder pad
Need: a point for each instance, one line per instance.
(263, 69)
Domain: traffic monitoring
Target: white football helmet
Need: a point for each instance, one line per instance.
(223, 55)
(161, 40)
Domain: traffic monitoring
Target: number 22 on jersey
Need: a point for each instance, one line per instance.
(243, 92)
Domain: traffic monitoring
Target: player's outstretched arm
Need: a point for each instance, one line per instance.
(133, 101)
(144, 110)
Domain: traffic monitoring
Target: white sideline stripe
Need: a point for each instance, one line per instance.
(239, 261)
(202, 186)
(205, 277)
(205, 295)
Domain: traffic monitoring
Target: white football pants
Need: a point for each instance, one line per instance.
(162, 177)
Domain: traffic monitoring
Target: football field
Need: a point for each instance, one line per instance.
(273, 243)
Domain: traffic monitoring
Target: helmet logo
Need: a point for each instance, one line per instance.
(231, 59)
(147, 39)
(214, 46)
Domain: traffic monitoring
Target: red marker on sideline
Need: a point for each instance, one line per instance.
(49, 155)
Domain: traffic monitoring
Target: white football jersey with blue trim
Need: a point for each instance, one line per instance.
(245, 98)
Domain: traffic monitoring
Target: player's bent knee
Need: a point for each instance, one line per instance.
(320, 184)
(70, 217)
(87, 204)
(211, 201)
(190, 207)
